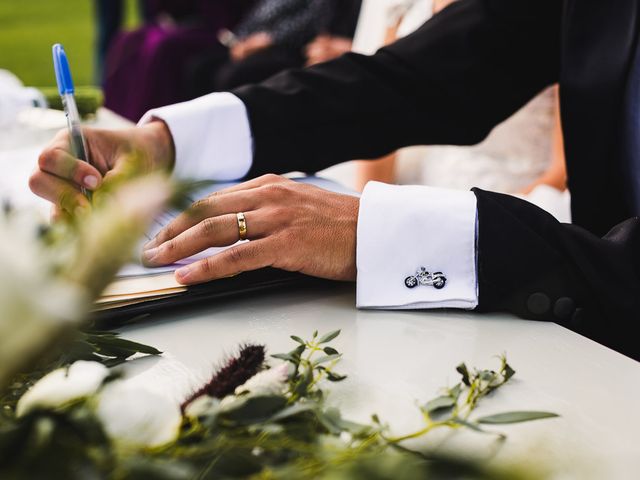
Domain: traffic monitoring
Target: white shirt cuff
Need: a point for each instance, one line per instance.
(403, 228)
(211, 134)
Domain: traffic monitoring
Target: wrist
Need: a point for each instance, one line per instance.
(159, 137)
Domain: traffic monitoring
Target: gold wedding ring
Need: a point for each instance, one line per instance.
(242, 225)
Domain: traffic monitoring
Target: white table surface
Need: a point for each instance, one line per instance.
(395, 359)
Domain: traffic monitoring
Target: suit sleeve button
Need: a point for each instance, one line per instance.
(538, 303)
(564, 307)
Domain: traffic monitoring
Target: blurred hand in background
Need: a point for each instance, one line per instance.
(326, 47)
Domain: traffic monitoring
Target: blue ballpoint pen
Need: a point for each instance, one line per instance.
(66, 90)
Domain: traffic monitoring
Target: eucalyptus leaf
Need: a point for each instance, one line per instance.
(515, 417)
(335, 377)
(121, 343)
(284, 356)
(293, 410)
(508, 372)
(439, 403)
(295, 338)
(487, 375)
(462, 370)
(304, 381)
(330, 351)
(326, 358)
(329, 336)
(455, 391)
(296, 352)
(470, 425)
(252, 409)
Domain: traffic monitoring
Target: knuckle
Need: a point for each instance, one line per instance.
(280, 213)
(199, 205)
(206, 266)
(274, 190)
(166, 233)
(209, 226)
(169, 247)
(235, 255)
(272, 178)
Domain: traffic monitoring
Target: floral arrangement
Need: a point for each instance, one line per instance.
(66, 414)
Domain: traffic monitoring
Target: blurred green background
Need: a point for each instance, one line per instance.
(28, 28)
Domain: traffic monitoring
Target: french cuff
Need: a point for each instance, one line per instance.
(211, 134)
(404, 228)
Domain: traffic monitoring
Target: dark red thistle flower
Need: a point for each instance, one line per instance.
(235, 372)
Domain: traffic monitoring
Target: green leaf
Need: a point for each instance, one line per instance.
(293, 410)
(105, 340)
(326, 358)
(305, 380)
(250, 409)
(296, 352)
(487, 375)
(462, 370)
(332, 420)
(439, 403)
(515, 417)
(455, 391)
(335, 377)
(329, 336)
(297, 339)
(508, 372)
(470, 425)
(330, 351)
(285, 356)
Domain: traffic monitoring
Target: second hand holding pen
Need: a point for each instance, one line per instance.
(66, 90)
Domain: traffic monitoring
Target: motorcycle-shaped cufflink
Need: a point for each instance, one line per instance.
(422, 277)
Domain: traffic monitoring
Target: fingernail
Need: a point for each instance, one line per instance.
(90, 181)
(182, 274)
(148, 256)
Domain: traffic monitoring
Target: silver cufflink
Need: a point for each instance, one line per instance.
(422, 277)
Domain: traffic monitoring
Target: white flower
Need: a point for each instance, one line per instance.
(268, 382)
(136, 417)
(63, 386)
(201, 406)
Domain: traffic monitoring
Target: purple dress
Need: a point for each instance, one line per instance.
(145, 68)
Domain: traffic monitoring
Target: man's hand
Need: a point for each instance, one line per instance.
(59, 175)
(250, 45)
(291, 226)
(326, 47)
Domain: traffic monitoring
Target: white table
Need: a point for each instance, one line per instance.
(396, 358)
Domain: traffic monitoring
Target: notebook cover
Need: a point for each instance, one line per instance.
(263, 279)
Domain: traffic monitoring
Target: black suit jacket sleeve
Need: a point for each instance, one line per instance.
(532, 265)
(451, 82)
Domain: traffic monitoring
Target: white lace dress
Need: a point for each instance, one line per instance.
(514, 154)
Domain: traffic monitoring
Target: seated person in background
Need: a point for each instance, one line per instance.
(145, 68)
(109, 17)
(271, 38)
